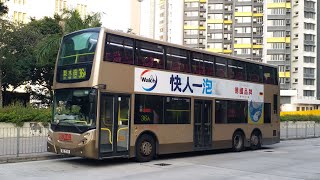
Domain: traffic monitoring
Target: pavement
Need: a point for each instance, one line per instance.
(29, 157)
(292, 159)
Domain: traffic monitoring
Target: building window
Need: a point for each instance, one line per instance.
(309, 15)
(308, 82)
(309, 37)
(309, 4)
(276, 45)
(309, 26)
(309, 48)
(277, 1)
(308, 93)
(277, 11)
(308, 59)
(276, 22)
(277, 57)
(277, 34)
(19, 17)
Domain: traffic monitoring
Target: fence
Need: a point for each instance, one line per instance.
(31, 140)
(292, 130)
(23, 140)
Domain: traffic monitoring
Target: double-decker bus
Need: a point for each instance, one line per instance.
(121, 95)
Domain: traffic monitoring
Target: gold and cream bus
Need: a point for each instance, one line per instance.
(121, 95)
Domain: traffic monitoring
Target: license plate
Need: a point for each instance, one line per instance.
(65, 151)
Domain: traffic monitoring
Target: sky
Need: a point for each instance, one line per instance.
(115, 13)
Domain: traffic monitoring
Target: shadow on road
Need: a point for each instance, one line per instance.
(118, 161)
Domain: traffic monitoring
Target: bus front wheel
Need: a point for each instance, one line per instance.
(238, 141)
(145, 148)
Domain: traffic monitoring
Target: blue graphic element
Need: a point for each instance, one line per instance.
(207, 86)
(255, 111)
(154, 86)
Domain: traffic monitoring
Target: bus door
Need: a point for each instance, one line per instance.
(202, 124)
(114, 124)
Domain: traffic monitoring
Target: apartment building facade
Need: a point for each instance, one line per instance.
(22, 10)
(225, 26)
(303, 94)
(278, 32)
(162, 20)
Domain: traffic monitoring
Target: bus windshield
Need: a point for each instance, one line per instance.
(74, 109)
(78, 48)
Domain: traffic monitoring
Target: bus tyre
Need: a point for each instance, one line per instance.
(145, 148)
(255, 140)
(237, 141)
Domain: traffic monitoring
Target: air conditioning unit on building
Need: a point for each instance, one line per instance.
(287, 80)
(287, 68)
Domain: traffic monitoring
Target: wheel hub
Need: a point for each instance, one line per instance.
(237, 141)
(254, 140)
(146, 148)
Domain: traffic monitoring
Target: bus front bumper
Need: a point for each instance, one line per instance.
(87, 151)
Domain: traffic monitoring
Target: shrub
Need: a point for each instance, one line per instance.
(19, 114)
(300, 118)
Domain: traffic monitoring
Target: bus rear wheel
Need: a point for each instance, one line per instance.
(145, 148)
(255, 140)
(238, 141)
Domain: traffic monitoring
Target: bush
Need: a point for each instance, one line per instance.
(19, 114)
(300, 118)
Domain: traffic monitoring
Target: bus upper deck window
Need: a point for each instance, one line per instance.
(149, 55)
(119, 49)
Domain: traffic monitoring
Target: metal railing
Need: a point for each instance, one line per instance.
(23, 140)
(293, 130)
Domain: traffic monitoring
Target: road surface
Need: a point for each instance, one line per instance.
(293, 159)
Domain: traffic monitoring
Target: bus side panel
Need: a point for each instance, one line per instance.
(222, 134)
(171, 138)
(270, 91)
(118, 77)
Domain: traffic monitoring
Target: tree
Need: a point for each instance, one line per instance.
(17, 54)
(6, 29)
(47, 48)
(3, 9)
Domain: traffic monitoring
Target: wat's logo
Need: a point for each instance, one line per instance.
(148, 80)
